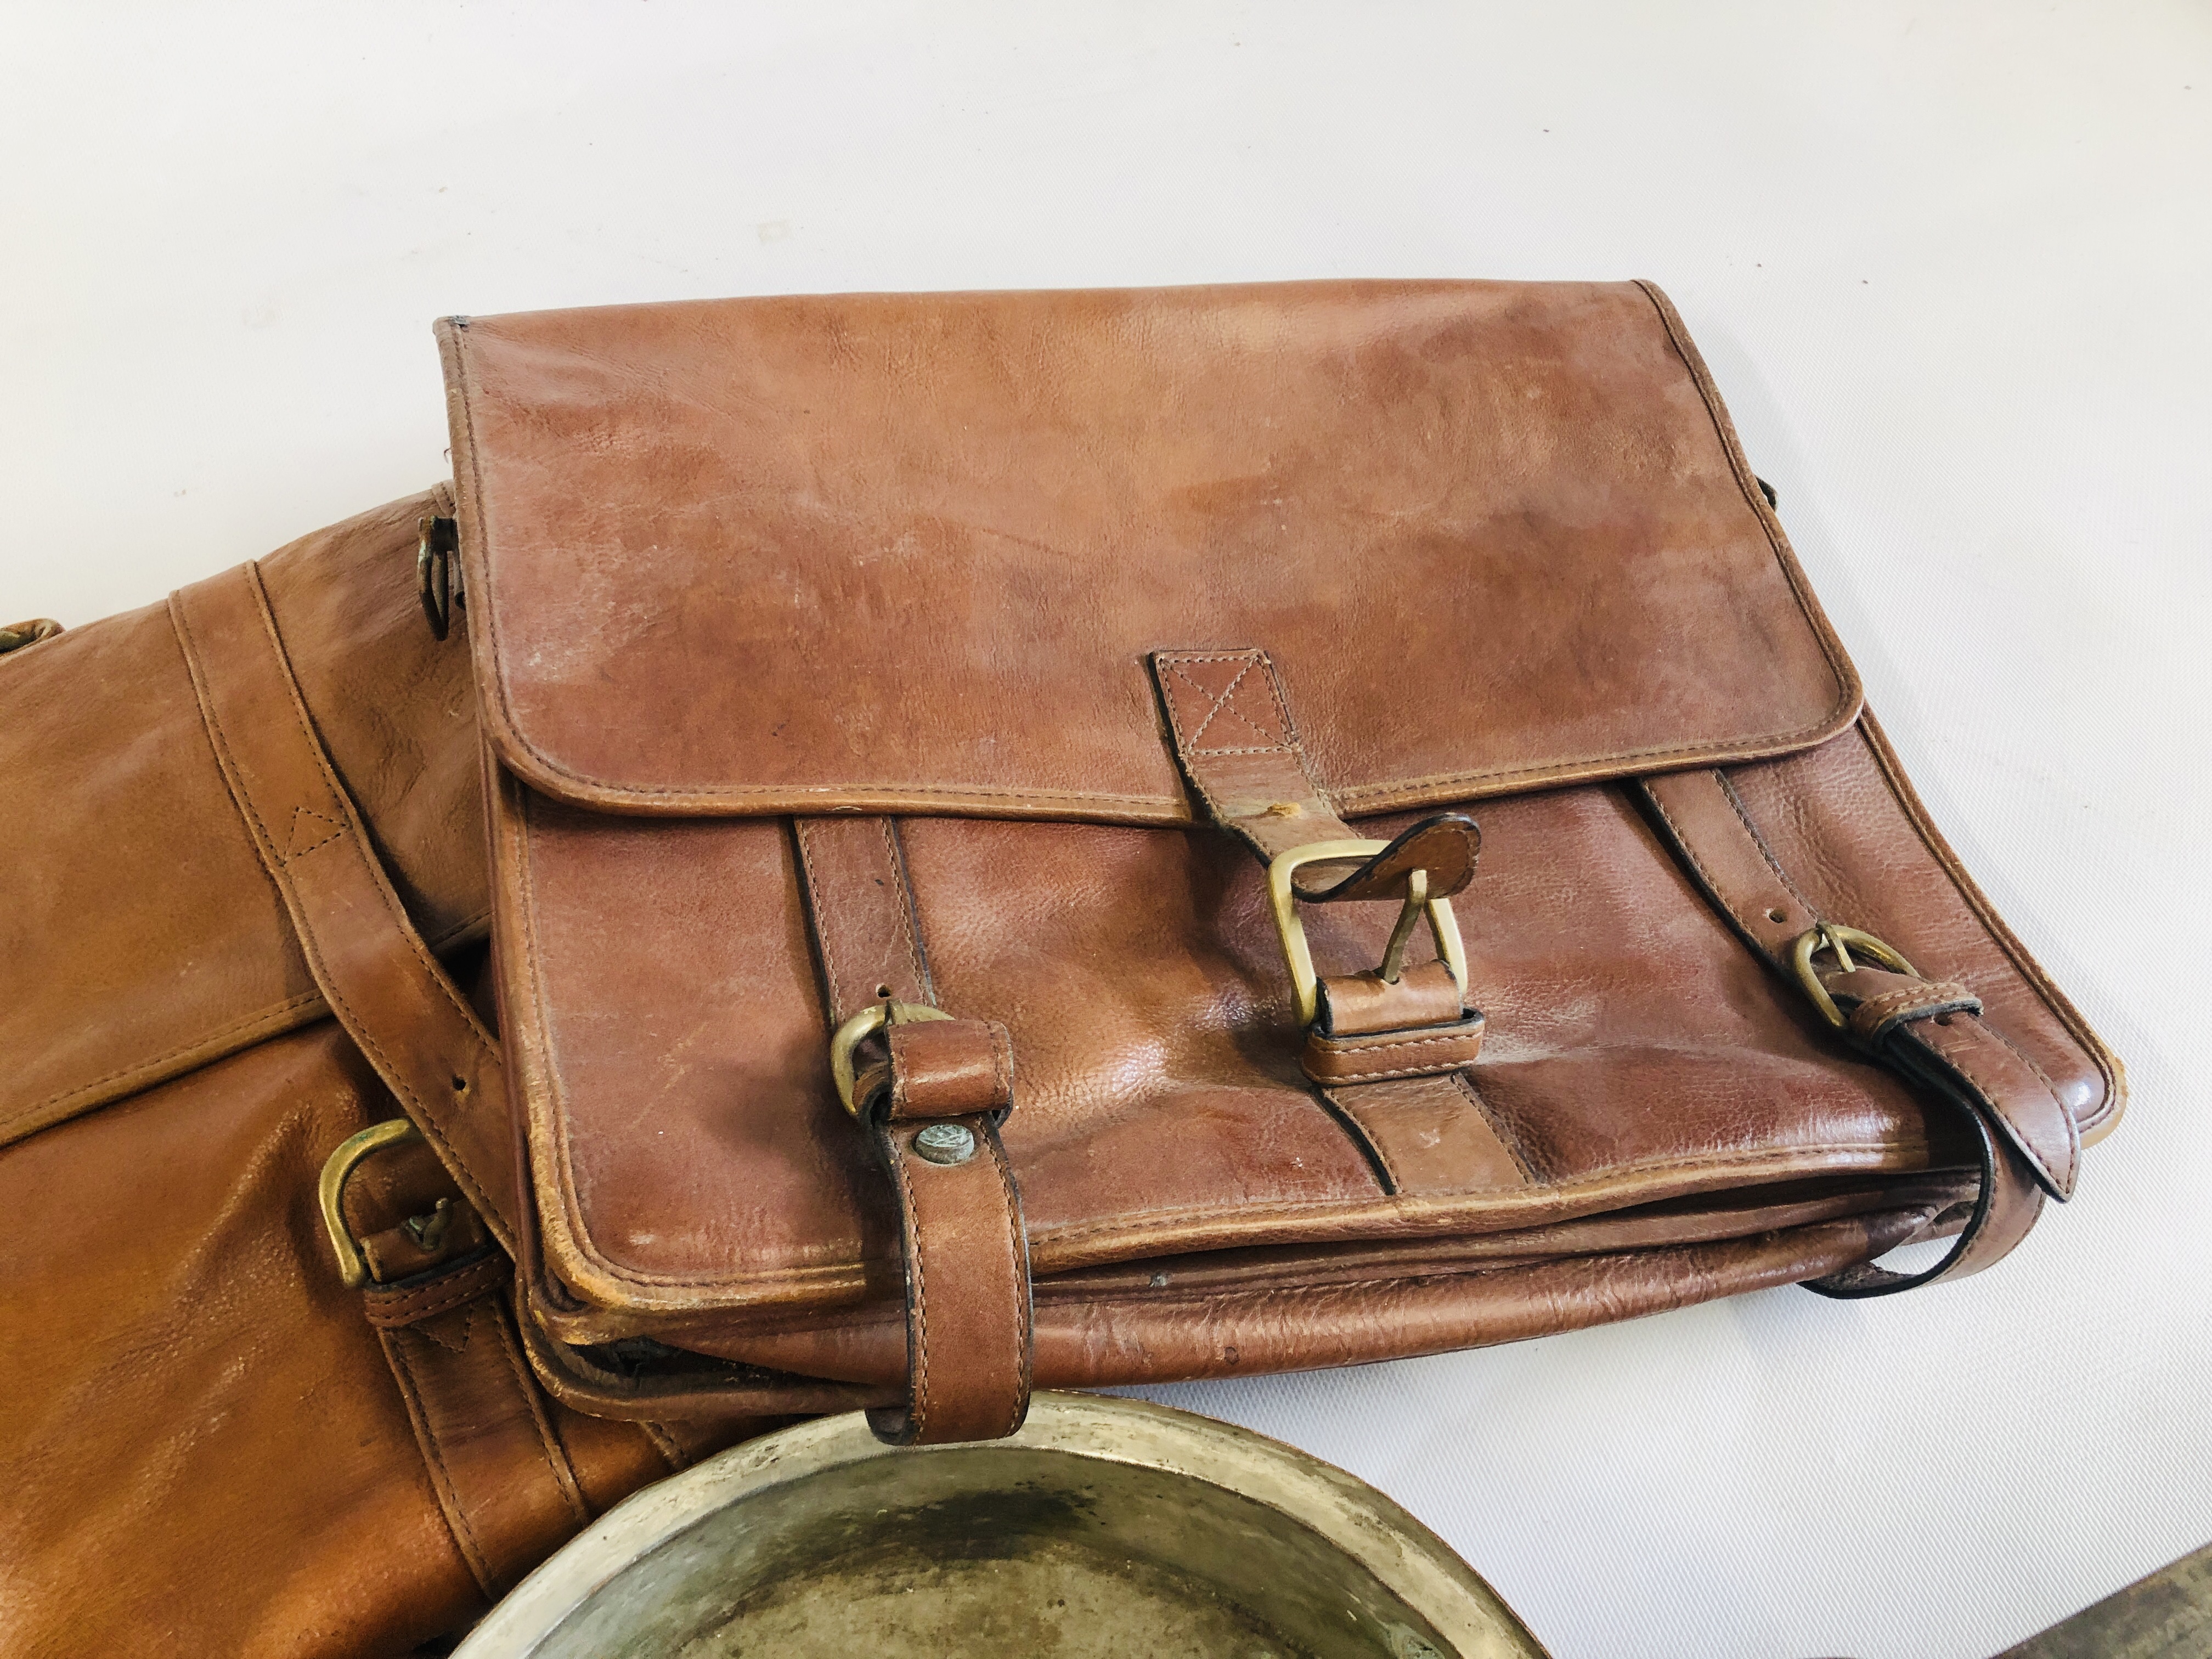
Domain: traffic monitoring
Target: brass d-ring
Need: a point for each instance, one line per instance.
(864, 1025)
(1834, 936)
(16, 636)
(330, 1190)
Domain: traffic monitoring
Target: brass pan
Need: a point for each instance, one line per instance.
(1107, 1528)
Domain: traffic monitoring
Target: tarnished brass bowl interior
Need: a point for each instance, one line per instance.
(1107, 1530)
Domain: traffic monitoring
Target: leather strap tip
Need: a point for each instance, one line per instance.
(1446, 846)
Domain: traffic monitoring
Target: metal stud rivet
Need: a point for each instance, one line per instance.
(947, 1143)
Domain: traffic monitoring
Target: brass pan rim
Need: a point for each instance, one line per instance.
(1364, 1525)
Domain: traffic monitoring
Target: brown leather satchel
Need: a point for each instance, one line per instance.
(210, 1445)
(983, 793)
(869, 684)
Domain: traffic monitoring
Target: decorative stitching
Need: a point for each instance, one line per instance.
(405, 927)
(294, 850)
(2027, 1060)
(1848, 690)
(1382, 1042)
(901, 904)
(549, 1442)
(1877, 1012)
(1283, 740)
(1398, 1072)
(2054, 1001)
(275, 1012)
(664, 1443)
(1688, 850)
(207, 1045)
(1542, 1192)
(2018, 1134)
(1725, 1161)
(1759, 841)
(1025, 1348)
(1483, 1268)
(1221, 700)
(1413, 792)
(464, 394)
(481, 502)
(399, 1309)
(917, 1407)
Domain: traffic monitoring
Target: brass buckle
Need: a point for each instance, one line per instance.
(1834, 936)
(863, 1025)
(16, 636)
(1450, 950)
(330, 1190)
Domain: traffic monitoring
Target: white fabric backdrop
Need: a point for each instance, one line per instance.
(1950, 264)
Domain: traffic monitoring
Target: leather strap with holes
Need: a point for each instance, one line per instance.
(1931, 1031)
(382, 983)
(932, 1105)
(864, 929)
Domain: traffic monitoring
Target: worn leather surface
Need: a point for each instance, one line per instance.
(1482, 528)
(1280, 563)
(933, 1104)
(1844, 820)
(206, 1449)
(502, 1475)
(1163, 1106)
(1366, 1005)
(1726, 846)
(140, 937)
(1929, 1031)
(378, 977)
(1149, 583)
(1255, 561)
(1117, 1333)
(1378, 1056)
(962, 1241)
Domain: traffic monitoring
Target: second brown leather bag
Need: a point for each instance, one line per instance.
(210, 1442)
(987, 879)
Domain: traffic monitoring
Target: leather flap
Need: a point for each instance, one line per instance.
(910, 553)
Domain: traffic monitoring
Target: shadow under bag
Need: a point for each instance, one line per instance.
(984, 796)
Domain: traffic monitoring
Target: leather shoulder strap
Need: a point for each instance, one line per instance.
(371, 965)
